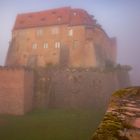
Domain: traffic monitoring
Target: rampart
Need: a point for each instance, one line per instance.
(77, 88)
(22, 89)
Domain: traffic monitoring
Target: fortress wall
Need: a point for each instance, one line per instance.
(57, 88)
(82, 89)
(13, 90)
(71, 88)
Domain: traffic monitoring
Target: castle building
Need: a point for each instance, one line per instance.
(62, 36)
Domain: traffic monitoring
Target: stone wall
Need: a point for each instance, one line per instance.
(16, 90)
(75, 88)
(57, 87)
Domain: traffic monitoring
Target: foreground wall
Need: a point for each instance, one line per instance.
(122, 118)
(16, 90)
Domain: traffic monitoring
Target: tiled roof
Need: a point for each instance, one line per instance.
(65, 15)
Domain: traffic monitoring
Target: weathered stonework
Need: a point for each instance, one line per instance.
(76, 88)
(16, 90)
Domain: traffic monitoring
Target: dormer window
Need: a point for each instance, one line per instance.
(74, 13)
(34, 46)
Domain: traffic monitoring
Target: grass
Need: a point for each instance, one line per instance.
(51, 125)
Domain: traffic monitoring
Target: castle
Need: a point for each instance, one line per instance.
(62, 36)
(65, 37)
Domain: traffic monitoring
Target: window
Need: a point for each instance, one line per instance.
(55, 30)
(57, 44)
(75, 44)
(45, 45)
(34, 46)
(39, 32)
(70, 33)
(22, 33)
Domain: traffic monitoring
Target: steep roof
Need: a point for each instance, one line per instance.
(65, 15)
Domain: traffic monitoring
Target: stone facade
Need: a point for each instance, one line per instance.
(16, 90)
(76, 42)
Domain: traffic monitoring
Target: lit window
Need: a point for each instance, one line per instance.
(55, 30)
(70, 33)
(34, 46)
(39, 32)
(57, 44)
(45, 45)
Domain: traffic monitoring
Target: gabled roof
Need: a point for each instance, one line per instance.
(65, 15)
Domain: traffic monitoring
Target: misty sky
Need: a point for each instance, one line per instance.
(120, 18)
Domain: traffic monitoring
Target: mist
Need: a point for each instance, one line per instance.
(118, 18)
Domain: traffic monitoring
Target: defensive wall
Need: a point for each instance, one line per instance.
(77, 88)
(21, 89)
(16, 90)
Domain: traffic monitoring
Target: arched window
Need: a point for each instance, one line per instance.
(70, 32)
(45, 45)
(34, 46)
(57, 44)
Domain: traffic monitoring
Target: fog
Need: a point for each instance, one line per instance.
(118, 18)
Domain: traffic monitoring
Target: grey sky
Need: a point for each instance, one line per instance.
(120, 18)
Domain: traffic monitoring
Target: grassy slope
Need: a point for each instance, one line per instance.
(51, 125)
